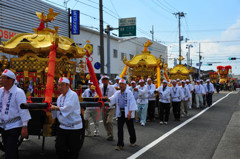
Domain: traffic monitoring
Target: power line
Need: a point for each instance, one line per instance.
(163, 5)
(114, 8)
(170, 5)
(204, 30)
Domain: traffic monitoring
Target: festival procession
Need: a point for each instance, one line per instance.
(59, 99)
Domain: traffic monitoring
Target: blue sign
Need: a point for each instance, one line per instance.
(75, 22)
(97, 65)
(198, 64)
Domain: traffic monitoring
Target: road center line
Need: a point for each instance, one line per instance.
(155, 142)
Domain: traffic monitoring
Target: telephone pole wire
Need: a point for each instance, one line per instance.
(179, 14)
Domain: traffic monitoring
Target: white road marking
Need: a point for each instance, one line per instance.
(155, 142)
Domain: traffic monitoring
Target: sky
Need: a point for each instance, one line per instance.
(215, 24)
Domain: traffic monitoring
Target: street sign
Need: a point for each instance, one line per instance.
(127, 27)
(198, 63)
(75, 22)
(97, 65)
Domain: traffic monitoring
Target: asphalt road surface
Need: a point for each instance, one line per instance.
(194, 137)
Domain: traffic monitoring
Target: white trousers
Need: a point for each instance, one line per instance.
(199, 100)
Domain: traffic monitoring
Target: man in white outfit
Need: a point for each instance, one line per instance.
(151, 100)
(107, 91)
(190, 87)
(199, 91)
(177, 95)
(13, 119)
(186, 98)
(164, 102)
(91, 112)
(142, 101)
(209, 92)
(125, 112)
(116, 85)
(68, 113)
(204, 93)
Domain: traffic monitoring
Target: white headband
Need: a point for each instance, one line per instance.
(64, 79)
(9, 73)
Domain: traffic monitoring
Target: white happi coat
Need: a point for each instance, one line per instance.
(164, 96)
(14, 116)
(142, 94)
(130, 106)
(116, 85)
(70, 110)
(87, 94)
(186, 93)
(199, 89)
(204, 89)
(190, 87)
(176, 93)
(110, 91)
(135, 93)
(151, 89)
(211, 88)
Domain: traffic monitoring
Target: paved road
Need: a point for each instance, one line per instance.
(197, 139)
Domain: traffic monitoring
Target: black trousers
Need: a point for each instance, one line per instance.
(176, 109)
(164, 111)
(204, 100)
(68, 143)
(10, 139)
(130, 126)
(193, 99)
(209, 99)
(151, 109)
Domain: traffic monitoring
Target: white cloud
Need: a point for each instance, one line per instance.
(219, 52)
(231, 33)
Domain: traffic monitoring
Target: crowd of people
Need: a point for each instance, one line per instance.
(129, 103)
(138, 100)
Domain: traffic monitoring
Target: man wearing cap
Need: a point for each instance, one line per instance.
(142, 101)
(91, 112)
(204, 93)
(116, 85)
(125, 112)
(177, 95)
(107, 91)
(164, 102)
(13, 119)
(199, 91)
(151, 99)
(135, 94)
(209, 92)
(185, 99)
(190, 88)
(68, 113)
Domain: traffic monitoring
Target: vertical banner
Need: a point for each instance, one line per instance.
(75, 22)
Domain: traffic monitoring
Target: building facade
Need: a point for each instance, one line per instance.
(20, 17)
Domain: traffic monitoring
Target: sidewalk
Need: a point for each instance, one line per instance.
(229, 146)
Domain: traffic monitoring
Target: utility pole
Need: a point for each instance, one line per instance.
(152, 32)
(101, 37)
(179, 14)
(108, 30)
(200, 57)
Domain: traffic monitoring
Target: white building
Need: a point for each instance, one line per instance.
(119, 47)
(20, 17)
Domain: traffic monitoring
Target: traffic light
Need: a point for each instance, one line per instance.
(209, 64)
(232, 58)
